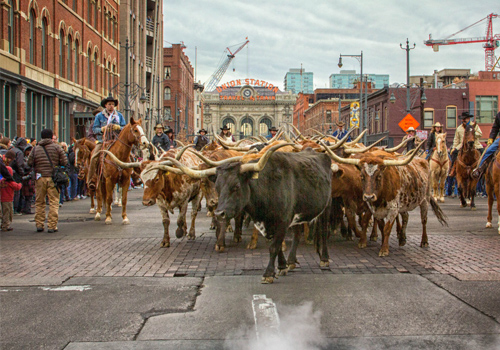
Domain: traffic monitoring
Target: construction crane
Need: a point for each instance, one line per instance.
(491, 41)
(219, 73)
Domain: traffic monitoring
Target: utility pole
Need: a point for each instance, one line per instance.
(127, 83)
(407, 48)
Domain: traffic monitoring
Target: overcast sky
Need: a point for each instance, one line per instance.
(284, 34)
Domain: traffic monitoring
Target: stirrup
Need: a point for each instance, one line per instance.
(476, 173)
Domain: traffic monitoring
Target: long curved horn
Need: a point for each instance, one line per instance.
(319, 133)
(277, 136)
(123, 165)
(299, 135)
(399, 162)
(356, 140)
(341, 142)
(337, 158)
(363, 150)
(397, 148)
(196, 174)
(216, 163)
(180, 143)
(263, 160)
(233, 148)
(165, 167)
(294, 145)
(263, 139)
(181, 152)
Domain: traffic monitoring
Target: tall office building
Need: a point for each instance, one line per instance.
(141, 22)
(298, 80)
(347, 79)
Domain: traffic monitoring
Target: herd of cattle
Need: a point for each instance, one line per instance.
(309, 184)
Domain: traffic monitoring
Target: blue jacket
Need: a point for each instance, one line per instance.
(341, 134)
(102, 120)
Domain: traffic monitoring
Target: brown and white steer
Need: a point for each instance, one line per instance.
(392, 186)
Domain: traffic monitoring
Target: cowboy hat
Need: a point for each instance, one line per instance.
(466, 115)
(225, 128)
(109, 99)
(340, 123)
(158, 126)
(411, 128)
(169, 131)
(437, 124)
(202, 130)
(273, 128)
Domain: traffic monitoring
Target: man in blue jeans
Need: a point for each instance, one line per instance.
(493, 147)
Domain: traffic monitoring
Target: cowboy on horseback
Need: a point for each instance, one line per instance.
(431, 141)
(107, 125)
(459, 135)
(493, 147)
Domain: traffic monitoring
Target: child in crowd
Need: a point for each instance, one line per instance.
(7, 194)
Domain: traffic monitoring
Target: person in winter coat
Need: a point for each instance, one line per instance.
(431, 140)
(7, 189)
(412, 138)
(44, 185)
(5, 145)
(28, 189)
(72, 173)
(492, 148)
(225, 134)
(160, 140)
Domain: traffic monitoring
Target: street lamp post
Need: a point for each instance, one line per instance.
(407, 48)
(362, 105)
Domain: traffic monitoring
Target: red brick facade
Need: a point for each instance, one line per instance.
(178, 93)
(62, 51)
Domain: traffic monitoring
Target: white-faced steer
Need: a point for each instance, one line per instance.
(393, 186)
(280, 190)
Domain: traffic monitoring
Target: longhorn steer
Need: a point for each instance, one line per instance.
(393, 186)
(291, 189)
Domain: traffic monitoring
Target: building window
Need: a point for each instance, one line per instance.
(264, 126)
(486, 108)
(64, 122)
(428, 118)
(8, 125)
(167, 94)
(95, 15)
(95, 71)
(386, 117)
(69, 57)
(110, 24)
(167, 73)
(89, 70)
(246, 127)
(32, 36)
(167, 113)
(44, 43)
(74, 5)
(451, 117)
(39, 112)
(11, 26)
(61, 54)
(113, 36)
(76, 59)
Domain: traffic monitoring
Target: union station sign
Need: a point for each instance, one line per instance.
(248, 81)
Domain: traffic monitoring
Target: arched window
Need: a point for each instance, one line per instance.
(264, 126)
(61, 53)
(89, 69)
(69, 57)
(76, 59)
(95, 71)
(32, 36)
(11, 26)
(229, 122)
(167, 94)
(246, 126)
(45, 42)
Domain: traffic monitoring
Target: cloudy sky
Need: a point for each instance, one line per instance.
(284, 34)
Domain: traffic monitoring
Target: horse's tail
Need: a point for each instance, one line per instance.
(438, 212)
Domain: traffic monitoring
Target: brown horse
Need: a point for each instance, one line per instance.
(439, 166)
(83, 150)
(109, 174)
(492, 179)
(467, 160)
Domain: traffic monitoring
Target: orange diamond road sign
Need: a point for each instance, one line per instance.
(408, 121)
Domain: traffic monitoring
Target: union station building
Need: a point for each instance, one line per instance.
(249, 107)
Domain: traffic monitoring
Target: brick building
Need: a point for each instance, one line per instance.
(56, 60)
(178, 90)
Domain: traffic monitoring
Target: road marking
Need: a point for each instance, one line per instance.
(10, 290)
(67, 288)
(265, 314)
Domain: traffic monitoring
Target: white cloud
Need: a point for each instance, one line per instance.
(285, 34)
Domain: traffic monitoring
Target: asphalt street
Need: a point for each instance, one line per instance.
(93, 286)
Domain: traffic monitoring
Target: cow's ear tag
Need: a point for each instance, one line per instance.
(255, 175)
